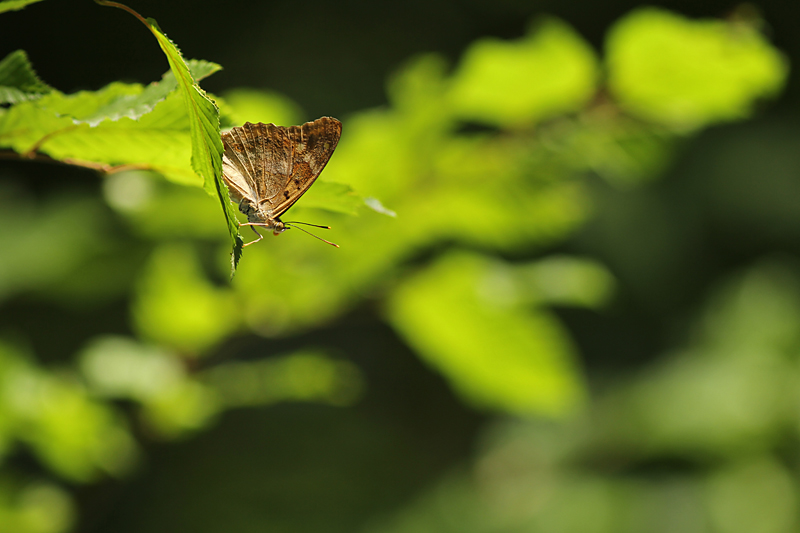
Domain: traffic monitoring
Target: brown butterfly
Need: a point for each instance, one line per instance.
(268, 167)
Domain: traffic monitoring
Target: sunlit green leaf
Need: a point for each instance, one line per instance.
(141, 101)
(92, 107)
(18, 80)
(25, 124)
(121, 124)
(204, 127)
(549, 72)
(332, 196)
(15, 5)
(462, 317)
(206, 140)
(158, 141)
(689, 73)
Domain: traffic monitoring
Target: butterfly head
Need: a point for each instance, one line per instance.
(277, 227)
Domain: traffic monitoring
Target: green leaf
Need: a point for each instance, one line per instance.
(204, 128)
(463, 317)
(135, 105)
(159, 140)
(331, 196)
(113, 101)
(92, 107)
(376, 205)
(18, 80)
(15, 5)
(206, 140)
(121, 124)
(547, 73)
(685, 73)
(25, 124)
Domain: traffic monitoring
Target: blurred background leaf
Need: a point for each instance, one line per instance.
(14, 5)
(687, 74)
(552, 71)
(463, 316)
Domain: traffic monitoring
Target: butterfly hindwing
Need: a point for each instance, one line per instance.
(237, 170)
(272, 158)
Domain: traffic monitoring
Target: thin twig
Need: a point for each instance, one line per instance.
(38, 144)
(99, 167)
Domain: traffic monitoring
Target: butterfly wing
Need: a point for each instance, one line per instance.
(308, 147)
(272, 166)
(238, 165)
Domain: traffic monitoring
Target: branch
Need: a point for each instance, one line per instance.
(99, 167)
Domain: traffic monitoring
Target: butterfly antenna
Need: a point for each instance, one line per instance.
(295, 226)
(307, 224)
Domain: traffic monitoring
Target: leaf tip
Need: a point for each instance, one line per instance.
(377, 206)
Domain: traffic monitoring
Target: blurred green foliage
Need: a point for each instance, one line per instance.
(464, 182)
(688, 74)
(725, 405)
(15, 5)
(551, 72)
(452, 313)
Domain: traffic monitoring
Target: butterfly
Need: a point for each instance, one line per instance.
(268, 168)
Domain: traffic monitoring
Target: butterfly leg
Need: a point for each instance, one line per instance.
(255, 241)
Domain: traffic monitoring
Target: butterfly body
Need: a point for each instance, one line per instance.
(267, 168)
(257, 216)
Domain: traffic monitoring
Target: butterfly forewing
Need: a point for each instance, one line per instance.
(312, 144)
(272, 160)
